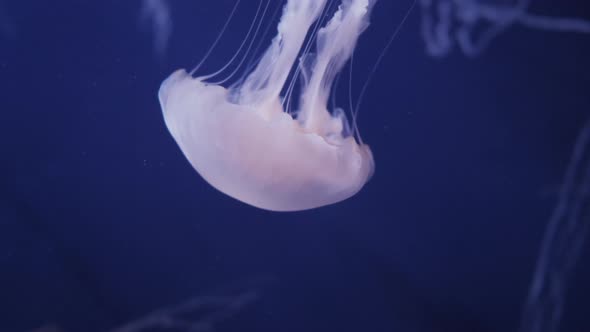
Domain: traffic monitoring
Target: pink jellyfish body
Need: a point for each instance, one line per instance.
(248, 147)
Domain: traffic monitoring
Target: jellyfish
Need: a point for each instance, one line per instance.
(445, 23)
(562, 244)
(241, 139)
(200, 313)
(157, 13)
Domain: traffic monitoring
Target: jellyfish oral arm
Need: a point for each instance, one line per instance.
(265, 83)
(248, 147)
(335, 45)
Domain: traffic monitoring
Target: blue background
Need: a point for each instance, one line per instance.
(103, 220)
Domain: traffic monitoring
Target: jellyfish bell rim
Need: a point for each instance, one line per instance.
(270, 163)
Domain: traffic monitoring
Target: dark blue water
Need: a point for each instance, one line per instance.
(102, 219)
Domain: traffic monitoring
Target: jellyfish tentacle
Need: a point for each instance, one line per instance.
(217, 39)
(376, 66)
(458, 19)
(249, 49)
(562, 242)
(246, 38)
(255, 54)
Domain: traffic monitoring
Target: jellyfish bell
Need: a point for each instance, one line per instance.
(241, 140)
